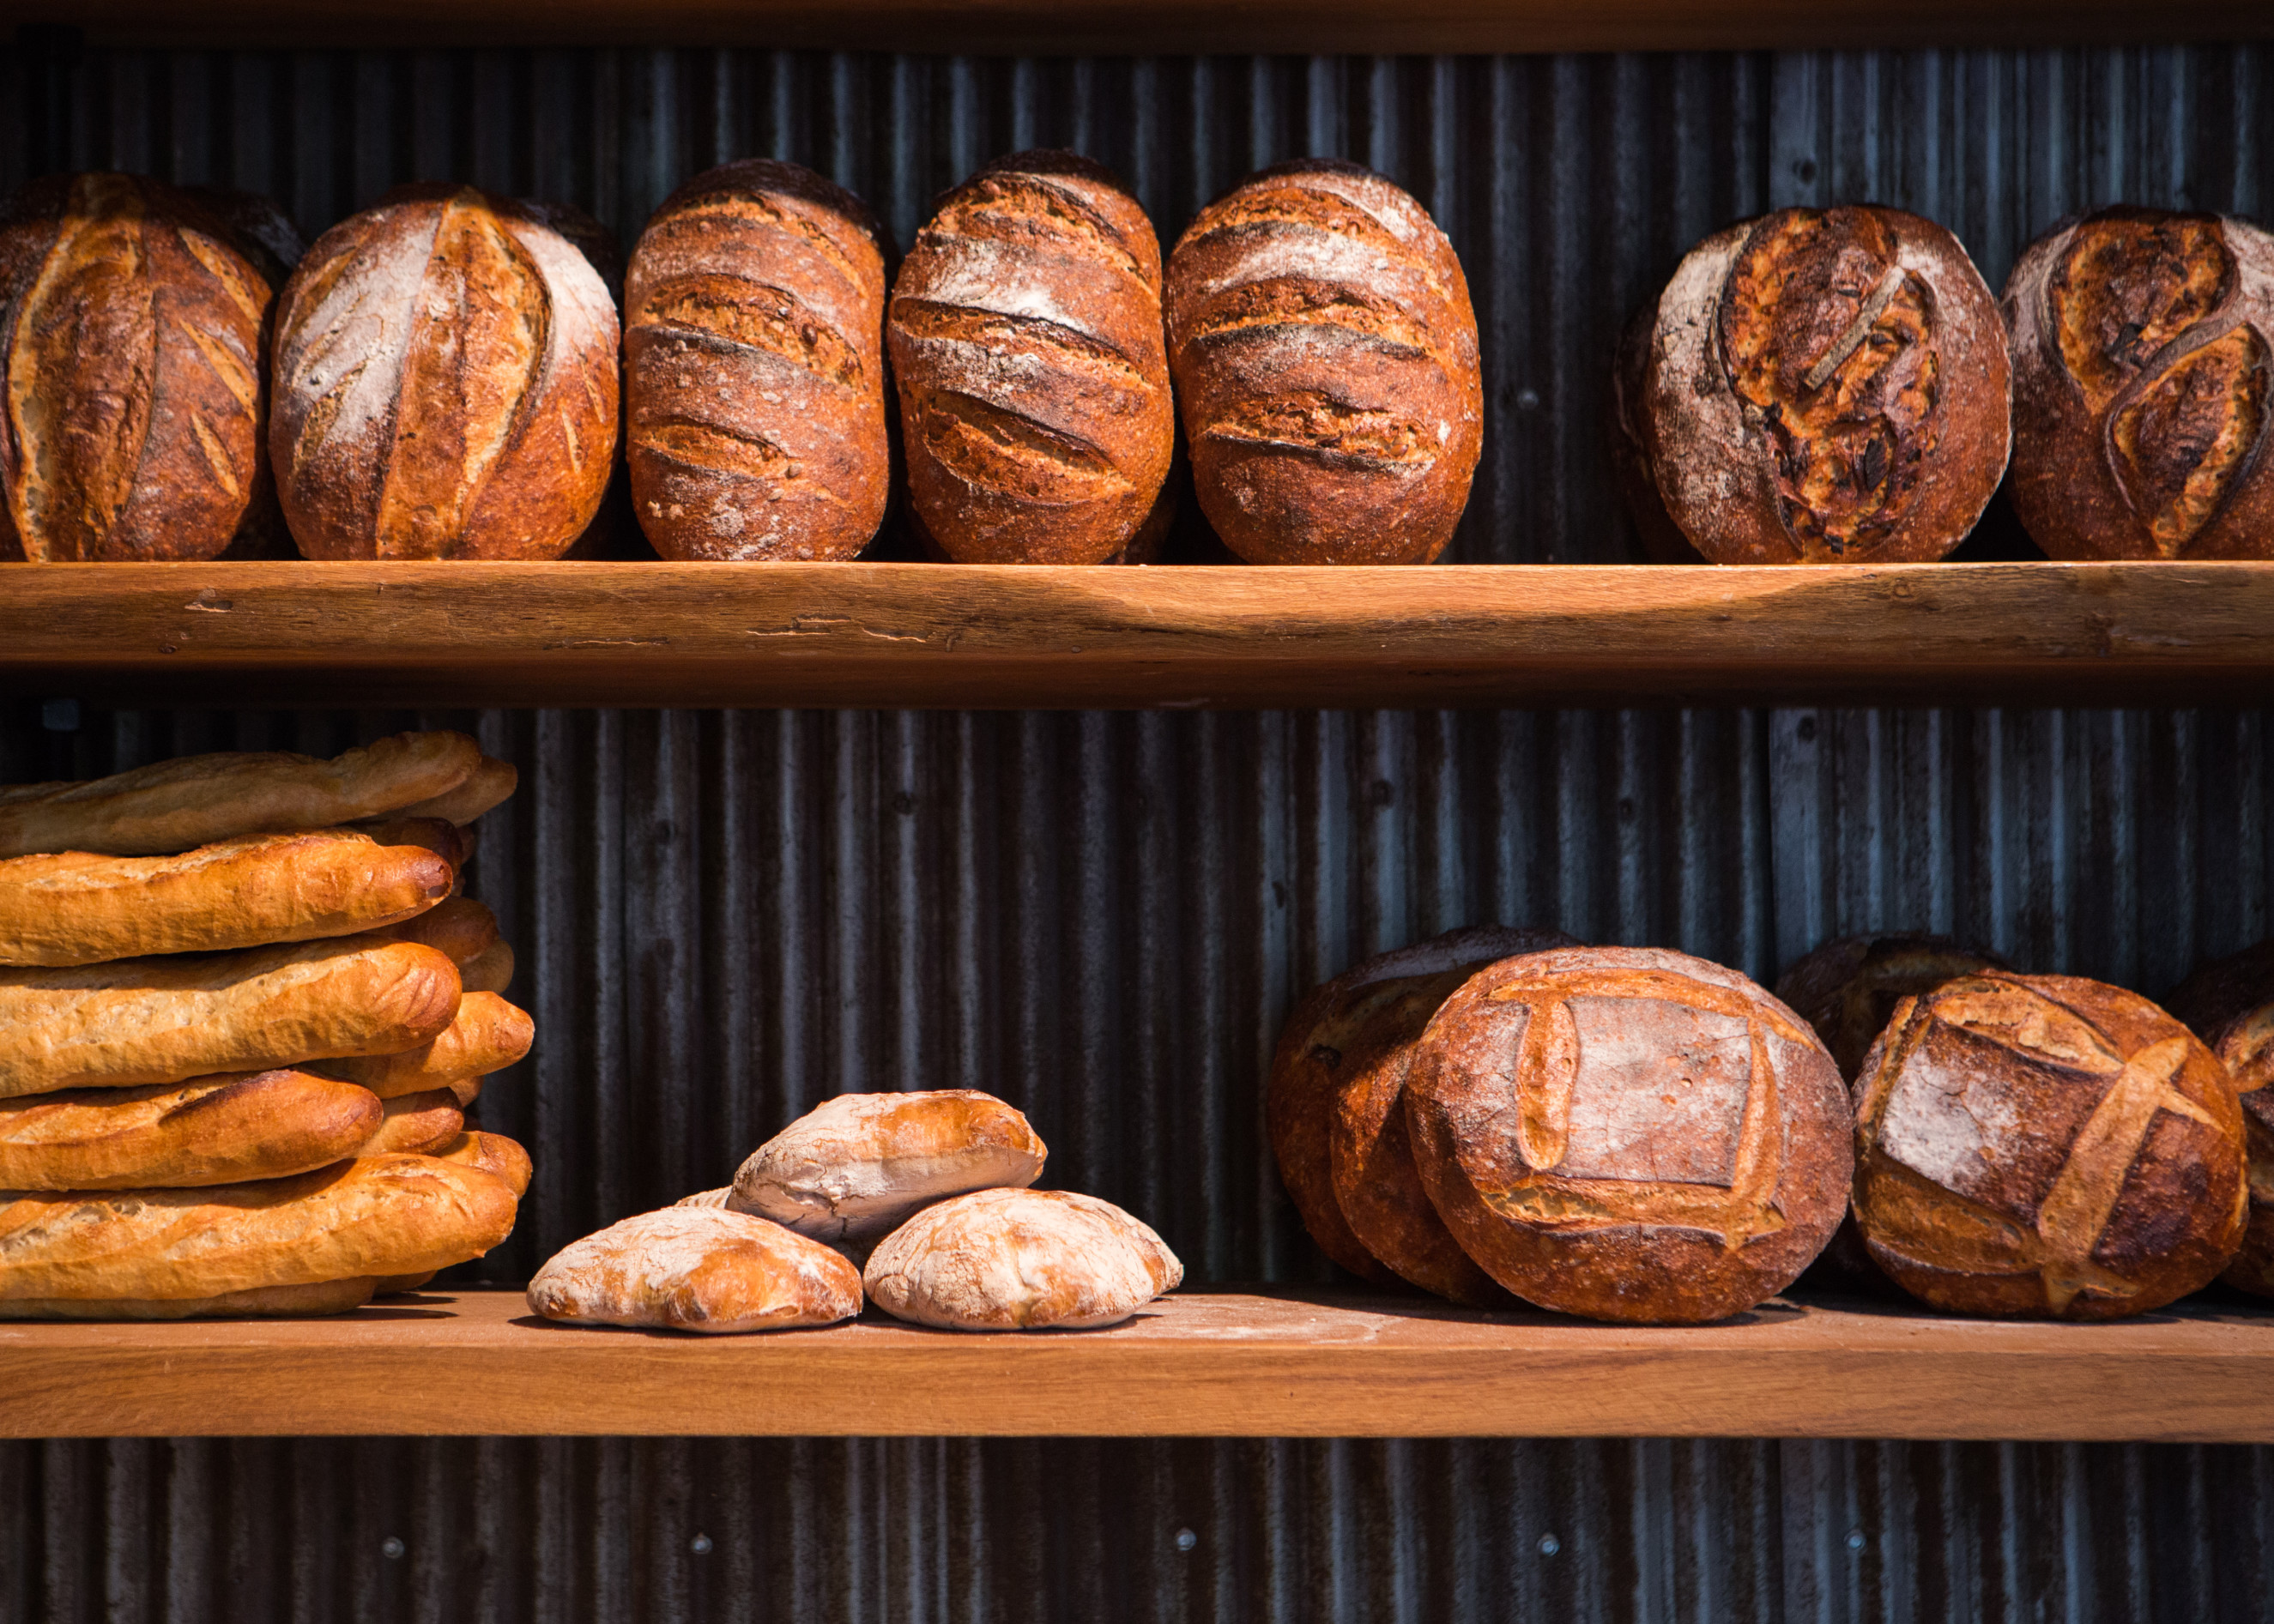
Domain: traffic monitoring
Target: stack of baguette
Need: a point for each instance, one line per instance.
(242, 1010)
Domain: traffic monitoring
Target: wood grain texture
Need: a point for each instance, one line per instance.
(1193, 1364)
(979, 636)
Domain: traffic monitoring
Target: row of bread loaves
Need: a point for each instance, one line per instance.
(930, 1191)
(243, 1012)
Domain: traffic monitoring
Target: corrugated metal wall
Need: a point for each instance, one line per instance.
(723, 918)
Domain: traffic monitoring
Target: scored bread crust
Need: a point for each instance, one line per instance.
(327, 1296)
(1020, 1260)
(485, 1034)
(753, 368)
(415, 1125)
(489, 1153)
(692, 1268)
(373, 1216)
(163, 1020)
(82, 907)
(213, 1130)
(1026, 342)
(1325, 354)
(194, 800)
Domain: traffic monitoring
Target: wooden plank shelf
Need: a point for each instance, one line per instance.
(1005, 637)
(1278, 1362)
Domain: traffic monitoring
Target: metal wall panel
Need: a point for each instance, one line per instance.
(723, 918)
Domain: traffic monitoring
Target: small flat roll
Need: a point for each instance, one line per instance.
(490, 970)
(487, 1035)
(694, 1268)
(82, 907)
(330, 1296)
(211, 1130)
(1020, 1260)
(415, 1125)
(854, 1168)
(197, 800)
(463, 929)
(165, 1020)
(488, 785)
(492, 1154)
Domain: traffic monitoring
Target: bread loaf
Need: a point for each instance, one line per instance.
(1026, 341)
(415, 1125)
(132, 330)
(1847, 990)
(2141, 353)
(1816, 386)
(1020, 1260)
(724, 1196)
(80, 908)
(330, 1296)
(2046, 1146)
(487, 786)
(194, 801)
(445, 384)
(2229, 1004)
(213, 1130)
(1630, 1134)
(1326, 363)
(753, 368)
(260, 230)
(486, 1035)
(696, 1269)
(163, 1020)
(490, 970)
(490, 1153)
(373, 1216)
(461, 927)
(854, 1168)
(448, 841)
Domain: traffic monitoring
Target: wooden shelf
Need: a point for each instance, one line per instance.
(1195, 1364)
(1001, 636)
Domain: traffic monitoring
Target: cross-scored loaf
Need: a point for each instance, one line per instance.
(2049, 1146)
(2229, 1004)
(1630, 1134)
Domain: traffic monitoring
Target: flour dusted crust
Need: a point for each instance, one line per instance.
(696, 1268)
(1630, 1134)
(2046, 1146)
(485, 1034)
(163, 1020)
(330, 1296)
(854, 1168)
(493, 1153)
(2229, 1004)
(194, 800)
(211, 1131)
(1020, 1260)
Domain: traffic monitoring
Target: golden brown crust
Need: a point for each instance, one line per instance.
(1819, 386)
(1847, 990)
(1020, 1260)
(163, 1020)
(696, 1269)
(485, 1034)
(492, 1154)
(1025, 335)
(445, 384)
(132, 365)
(370, 1217)
(2046, 1146)
(1325, 354)
(415, 1125)
(82, 907)
(490, 970)
(753, 368)
(1630, 1134)
(461, 927)
(328, 1297)
(211, 1130)
(194, 800)
(2141, 358)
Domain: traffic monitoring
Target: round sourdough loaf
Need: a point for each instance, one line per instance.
(1020, 1260)
(2229, 1004)
(1630, 1134)
(2047, 1145)
(1816, 386)
(2141, 357)
(854, 1168)
(1025, 332)
(753, 368)
(1847, 990)
(1326, 363)
(696, 1268)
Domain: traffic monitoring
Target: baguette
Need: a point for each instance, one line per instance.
(463, 929)
(492, 1154)
(375, 1216)
(488, 1034)
(327, 1296)
(214, 1131)
(487, 785)
(81, 907)
(439, 835)
(490, 970)
(415, 1125)
(165, 1020)
(196, 800)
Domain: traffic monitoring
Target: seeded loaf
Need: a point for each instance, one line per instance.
(1020, 1260)
(213, 1130)
(692, 1268)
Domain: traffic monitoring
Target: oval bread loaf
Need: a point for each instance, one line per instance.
(1020, 1260)
(2229, 1004)
(692, 1268)
(445, 384)
(132, 339)
(1848, 989)
(1025, 332)
(486, 1035)
(854, 1168)
(753, 368)
(213, 1130)
(260, 230)
(1325, 354)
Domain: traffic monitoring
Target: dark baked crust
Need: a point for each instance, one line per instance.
(2229, 1004)
(1325, 353)
(2046, 1146)
(1821, 386)
(1847, 988)
(2141, 343)
(753, 368)
(1630, 1134)
(1025, 337)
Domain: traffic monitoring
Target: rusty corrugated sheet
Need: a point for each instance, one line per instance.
(724, 917)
